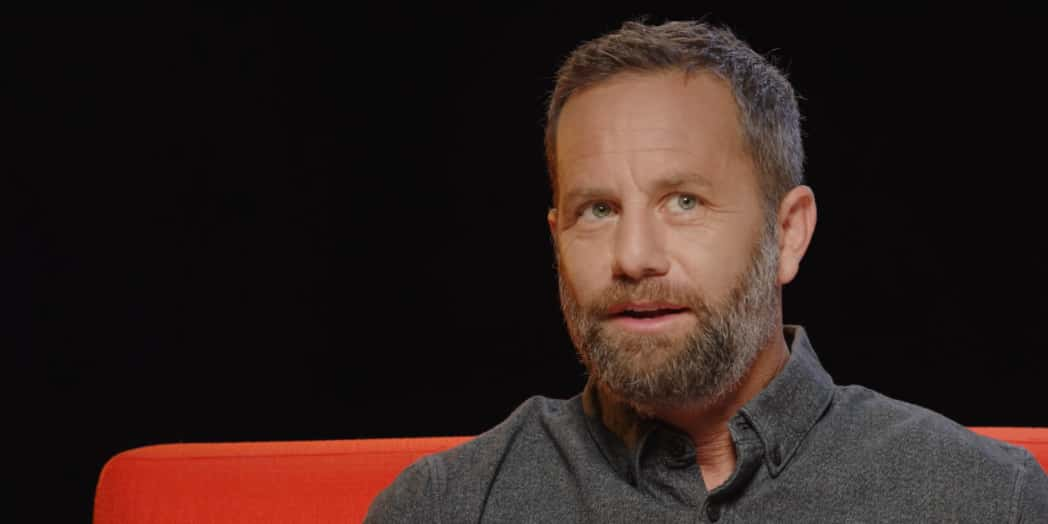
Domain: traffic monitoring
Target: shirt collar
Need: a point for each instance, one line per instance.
(781, 415)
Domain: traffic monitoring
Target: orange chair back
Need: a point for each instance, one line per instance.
(293, 482)
(252, 482)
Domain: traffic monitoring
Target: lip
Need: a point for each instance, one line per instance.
(646, 325)
(642, 306)
(649, 325)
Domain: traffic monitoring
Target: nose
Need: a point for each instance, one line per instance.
(639, 251)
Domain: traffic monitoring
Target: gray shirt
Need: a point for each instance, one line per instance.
(807, 451)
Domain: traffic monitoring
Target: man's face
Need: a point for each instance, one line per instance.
(667, 271)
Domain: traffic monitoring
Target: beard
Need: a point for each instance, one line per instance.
(653, 371)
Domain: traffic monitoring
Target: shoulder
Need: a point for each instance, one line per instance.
(885, 422)
(530, 431)
(459, 478)
(936, 453)
(524, 423)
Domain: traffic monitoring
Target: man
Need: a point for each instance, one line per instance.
(679, 211)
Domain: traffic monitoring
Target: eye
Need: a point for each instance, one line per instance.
(597, 210)
(685, 202)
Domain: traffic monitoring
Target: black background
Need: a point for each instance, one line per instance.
(318, 226)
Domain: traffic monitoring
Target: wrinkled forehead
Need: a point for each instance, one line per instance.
(582, 145)
(663, 121)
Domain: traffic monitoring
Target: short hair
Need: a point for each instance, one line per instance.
(770, 118)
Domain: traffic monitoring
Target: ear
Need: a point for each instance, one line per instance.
(551, 219)
(796, 226)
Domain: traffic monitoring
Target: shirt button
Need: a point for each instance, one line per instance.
(713, 511)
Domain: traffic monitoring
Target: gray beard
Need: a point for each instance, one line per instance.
(661, 371)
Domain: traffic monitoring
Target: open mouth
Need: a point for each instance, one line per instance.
(647, 316)
(653, 313)
(648, 319)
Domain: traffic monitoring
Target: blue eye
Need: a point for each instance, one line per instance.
(686, 202)
(601, 209)
(598, 209)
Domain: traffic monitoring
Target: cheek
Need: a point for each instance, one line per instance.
(585, 267)
(712, 263)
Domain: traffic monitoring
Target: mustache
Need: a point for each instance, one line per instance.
(647, 290)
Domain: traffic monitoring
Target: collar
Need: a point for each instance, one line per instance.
(781, 415)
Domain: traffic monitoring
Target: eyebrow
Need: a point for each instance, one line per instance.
(676, 179)
(672, 180)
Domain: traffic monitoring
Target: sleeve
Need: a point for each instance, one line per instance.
(412, 497)
(1033, 493)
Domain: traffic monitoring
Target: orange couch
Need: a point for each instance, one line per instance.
(293, 482)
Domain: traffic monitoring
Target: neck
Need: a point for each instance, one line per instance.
(707, 423)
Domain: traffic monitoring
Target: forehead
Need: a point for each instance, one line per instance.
(650, 122)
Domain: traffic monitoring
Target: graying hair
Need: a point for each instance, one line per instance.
(767, 104)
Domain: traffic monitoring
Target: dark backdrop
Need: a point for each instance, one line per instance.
(283, 226)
